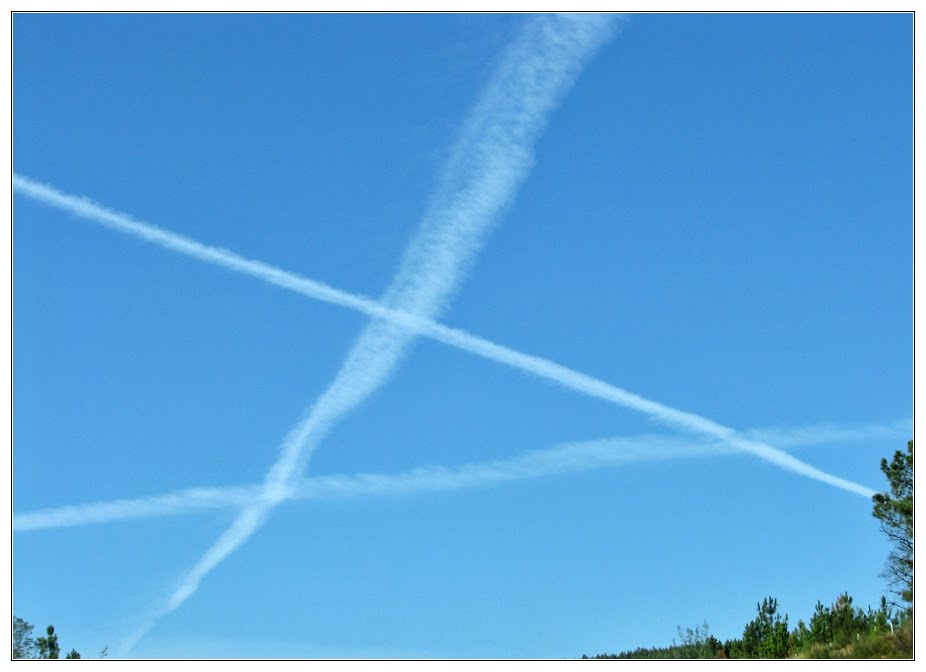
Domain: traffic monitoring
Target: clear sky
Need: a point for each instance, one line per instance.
(713, 212)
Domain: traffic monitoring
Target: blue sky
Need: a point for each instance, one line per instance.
(715, 215)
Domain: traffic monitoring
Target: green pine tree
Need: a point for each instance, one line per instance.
(48, 646)
(894, 510)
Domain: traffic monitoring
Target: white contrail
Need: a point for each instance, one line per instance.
(830, 433)
(401, 319)
(488, 163)
(177, 502)
(576, 456)
(457, 338)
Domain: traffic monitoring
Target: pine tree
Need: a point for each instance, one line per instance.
(767, 636)
(48, 646)
(895, 512)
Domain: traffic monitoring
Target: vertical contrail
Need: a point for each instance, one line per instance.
(487, 164)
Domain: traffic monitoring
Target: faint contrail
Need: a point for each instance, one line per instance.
(576, 456)
(489, 161)
(829, 433)
(457, 338)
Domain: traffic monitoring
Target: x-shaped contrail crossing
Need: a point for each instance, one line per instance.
(490, 160)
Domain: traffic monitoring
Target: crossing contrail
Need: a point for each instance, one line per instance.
(572, 457)
(538, 366)
(489, 161)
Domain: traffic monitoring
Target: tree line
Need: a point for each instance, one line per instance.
(27, 646)
(839, 630)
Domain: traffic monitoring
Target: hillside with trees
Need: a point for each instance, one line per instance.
(839, 630)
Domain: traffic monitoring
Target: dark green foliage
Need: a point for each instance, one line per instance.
(23, 643)
(895, 512)
(24, 646)
(48, 646)
(846, 623)
(837, 631)
(819, 632)
(840, 625)
(767, 635)
(735, 648)
(881, 620)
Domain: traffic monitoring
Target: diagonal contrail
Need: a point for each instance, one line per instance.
(457, 338)
(395, 319)
(488, 163)
(572, 457)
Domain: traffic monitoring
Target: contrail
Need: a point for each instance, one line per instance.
(400, 321)
(830, 433)
(572, 457)
(457, 338)
(489, 161)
